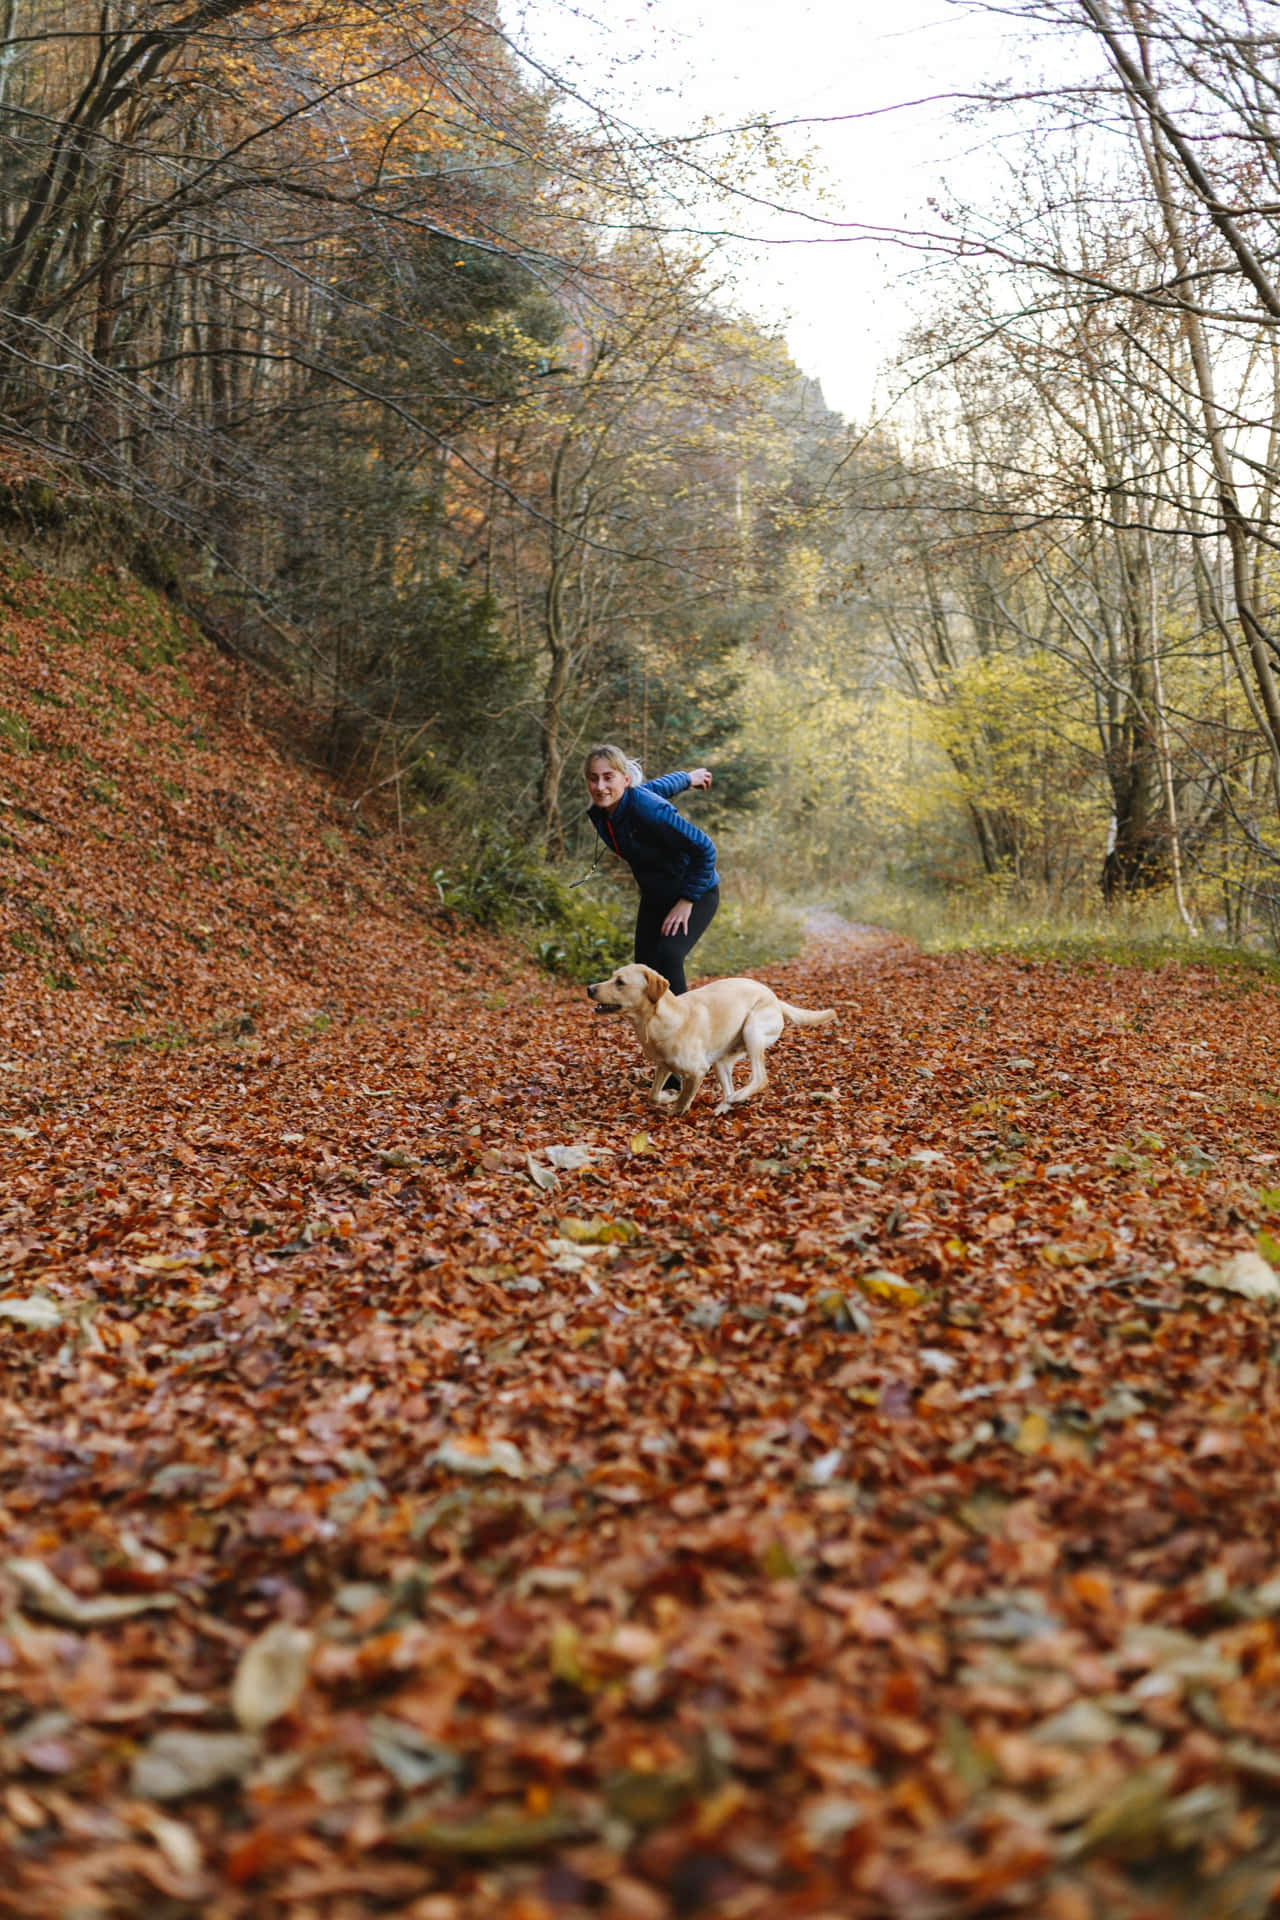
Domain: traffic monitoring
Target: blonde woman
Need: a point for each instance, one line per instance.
(673, 861)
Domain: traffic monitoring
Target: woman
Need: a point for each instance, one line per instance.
(673, 861)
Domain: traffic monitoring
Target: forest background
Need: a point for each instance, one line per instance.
(427, 389)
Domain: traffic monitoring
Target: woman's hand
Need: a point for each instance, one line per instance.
(677, 921)
(700, 777)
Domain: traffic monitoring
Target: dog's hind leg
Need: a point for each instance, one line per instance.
(759, 1030)
(724, 1074)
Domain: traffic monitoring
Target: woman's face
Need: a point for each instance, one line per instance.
(605, 785)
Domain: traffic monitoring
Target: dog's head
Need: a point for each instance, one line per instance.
(629, 990)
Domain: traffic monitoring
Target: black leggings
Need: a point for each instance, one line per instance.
(665, 952)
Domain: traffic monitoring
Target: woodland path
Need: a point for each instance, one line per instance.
(840, 937)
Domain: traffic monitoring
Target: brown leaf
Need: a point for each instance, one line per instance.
(271, 1675)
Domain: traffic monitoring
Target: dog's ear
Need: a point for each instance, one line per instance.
(655, 986)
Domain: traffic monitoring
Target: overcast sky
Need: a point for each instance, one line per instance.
(672, 63)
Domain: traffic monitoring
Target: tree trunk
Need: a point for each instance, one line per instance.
(1155, 131)
(557, 641)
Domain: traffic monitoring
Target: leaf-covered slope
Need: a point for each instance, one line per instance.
(166, 854)
(431, 1486)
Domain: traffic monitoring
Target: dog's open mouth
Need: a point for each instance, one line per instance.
(598, 1006)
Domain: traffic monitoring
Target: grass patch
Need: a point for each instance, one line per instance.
(1143, 933)
(995, 919)
(14, 732)
(746, 936)
(1084, 952)
(104, 607)
(172, 1038)
(161, 648)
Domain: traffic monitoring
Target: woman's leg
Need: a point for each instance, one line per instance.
(665, 952)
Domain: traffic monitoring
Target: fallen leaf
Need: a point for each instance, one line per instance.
(645, 1797)
(879, 1284)
(271, 1675)
(176, 1762)
(1082, 1724)
(572, 1157)
(1033, 1433)
(501, 1831)
(46, 1743)
(924, 1577)
(43, 1591)
(472, 1454)
(844, 1314)
(36, 1311)
(410, 1756)
(598, 1232)
(176, 1840)
(1132, 1820)
(1247, 1274)
(822, 1471)
(1075, 1253)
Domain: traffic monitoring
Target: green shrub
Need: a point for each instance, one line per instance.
(590, 942)
(502, 885)
(506, 886)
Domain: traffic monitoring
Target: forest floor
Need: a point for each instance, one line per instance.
(432, 1485)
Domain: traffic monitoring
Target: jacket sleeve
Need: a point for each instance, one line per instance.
(668, 785)
(690, 848)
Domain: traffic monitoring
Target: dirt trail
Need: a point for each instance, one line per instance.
(830, 936)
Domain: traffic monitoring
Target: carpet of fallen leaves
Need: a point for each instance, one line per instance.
(430, 1485)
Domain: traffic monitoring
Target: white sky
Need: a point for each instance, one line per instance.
(669, 64)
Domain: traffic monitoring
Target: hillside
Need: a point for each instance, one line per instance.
(431, 1487)
(173, 867)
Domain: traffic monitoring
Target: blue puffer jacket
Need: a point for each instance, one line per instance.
(670, 857)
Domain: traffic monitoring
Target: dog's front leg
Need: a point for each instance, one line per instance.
(661, 1075)
(690, 1082)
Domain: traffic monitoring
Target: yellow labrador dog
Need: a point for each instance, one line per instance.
(688, 1034)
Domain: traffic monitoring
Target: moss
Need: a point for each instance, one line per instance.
(15, 733)
(159, 649)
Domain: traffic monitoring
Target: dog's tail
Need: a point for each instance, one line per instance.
(806, 1017)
